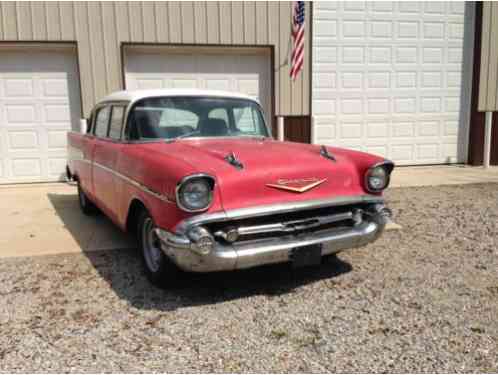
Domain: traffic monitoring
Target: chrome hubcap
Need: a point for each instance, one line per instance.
(151, 249)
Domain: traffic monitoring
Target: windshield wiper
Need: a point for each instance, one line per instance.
(185, 135)
(180, 137)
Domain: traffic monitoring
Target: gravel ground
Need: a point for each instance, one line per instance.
(424, 299)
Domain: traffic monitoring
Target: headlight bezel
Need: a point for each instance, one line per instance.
(388, 167)
(210, 180)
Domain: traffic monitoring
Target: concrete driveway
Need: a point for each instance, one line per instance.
(45, 219)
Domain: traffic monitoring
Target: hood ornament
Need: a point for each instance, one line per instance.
(326, 154)
(232, 159)
(297, 185)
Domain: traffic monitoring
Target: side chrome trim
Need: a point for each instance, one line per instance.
(87, 161)
(138, 185)
(265, 210)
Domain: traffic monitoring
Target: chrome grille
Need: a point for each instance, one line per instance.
(289, 224)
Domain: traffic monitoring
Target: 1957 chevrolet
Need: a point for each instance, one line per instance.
(196, 175)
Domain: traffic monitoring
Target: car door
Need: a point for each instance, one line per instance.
(106, 152)
(85, 168)
(101, 177)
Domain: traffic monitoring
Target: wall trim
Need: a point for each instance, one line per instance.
(476, 126)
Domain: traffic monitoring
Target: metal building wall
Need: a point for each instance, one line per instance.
(488, 80)
(99, 28)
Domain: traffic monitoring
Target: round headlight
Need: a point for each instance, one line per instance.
(195, 194)
(377, 179)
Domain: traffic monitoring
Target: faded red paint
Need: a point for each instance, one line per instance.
(161, 165)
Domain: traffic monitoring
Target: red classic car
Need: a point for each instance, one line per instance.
(196, 175)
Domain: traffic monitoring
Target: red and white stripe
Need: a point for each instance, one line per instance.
(297, 57)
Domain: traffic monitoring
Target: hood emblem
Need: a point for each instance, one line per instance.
(300, 185)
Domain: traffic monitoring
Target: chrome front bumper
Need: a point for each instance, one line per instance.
(225, 256)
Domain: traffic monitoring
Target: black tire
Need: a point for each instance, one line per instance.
(157, 266)
(86, 205)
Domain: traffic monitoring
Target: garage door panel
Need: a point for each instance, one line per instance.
(57, 113)
(56, 139)
(389, 76)
(184, 83)
(217, 84)
(23, 140)
(54, 87)
(56, 167)
(246, 73)
(176, 64)
(350, 131)
(39, 103)
(18, 87)
(377, 130)
(377, 150)
(249, 86)
(145, 83)
(20, 114)
(25, 167)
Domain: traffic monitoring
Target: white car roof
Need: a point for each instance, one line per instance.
(134, 95)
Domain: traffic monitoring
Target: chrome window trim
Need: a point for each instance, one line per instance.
(279, 208)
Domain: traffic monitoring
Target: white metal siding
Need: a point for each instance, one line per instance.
(245, 73)
(39, 103)
(488, 80)
(392, 78)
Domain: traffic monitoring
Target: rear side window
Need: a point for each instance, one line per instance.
(116, 122)
(102, 122)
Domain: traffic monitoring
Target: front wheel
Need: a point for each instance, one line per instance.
(158, 268)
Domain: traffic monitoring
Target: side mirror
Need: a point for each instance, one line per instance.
(83, 125)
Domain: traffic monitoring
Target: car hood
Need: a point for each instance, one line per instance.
(269, 162)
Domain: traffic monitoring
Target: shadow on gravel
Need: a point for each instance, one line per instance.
(122, 270)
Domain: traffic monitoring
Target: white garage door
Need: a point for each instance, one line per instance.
(39, 100)
(248, 73)
(394, 78)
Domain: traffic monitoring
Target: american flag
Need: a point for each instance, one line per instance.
(297, 57)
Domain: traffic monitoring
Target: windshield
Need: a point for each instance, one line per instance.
(186, 117)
